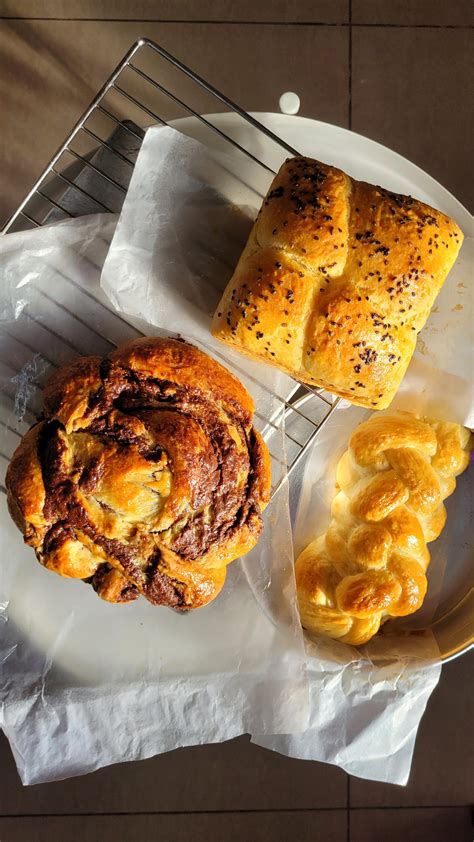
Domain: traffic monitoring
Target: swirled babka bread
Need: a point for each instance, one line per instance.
(370, 565)
(145, 475)
(336, 281)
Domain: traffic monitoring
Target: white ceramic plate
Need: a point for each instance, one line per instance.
(364, 159)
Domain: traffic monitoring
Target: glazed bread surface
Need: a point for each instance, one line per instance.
(145, 476)
(371, 563)
(336, 281)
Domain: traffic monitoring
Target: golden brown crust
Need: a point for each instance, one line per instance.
(337, 279)
(145, 476)
(68, 392)
(371, 563)
(26, 493)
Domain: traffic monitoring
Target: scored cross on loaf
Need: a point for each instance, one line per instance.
(371, 563)
(336, 281)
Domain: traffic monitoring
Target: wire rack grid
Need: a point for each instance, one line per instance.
(90, 173)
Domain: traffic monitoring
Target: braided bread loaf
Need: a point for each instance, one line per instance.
(371, 563)
(145, 475)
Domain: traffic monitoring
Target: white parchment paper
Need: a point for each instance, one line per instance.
(85, 683)
(185, 220)
(366, 705)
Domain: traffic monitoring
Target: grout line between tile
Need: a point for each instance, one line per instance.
(245, 22)
(191, 21)
(348, 799)
(237, 810)
(173, 813)
(350, 67)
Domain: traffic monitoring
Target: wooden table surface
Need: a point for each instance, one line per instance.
(398, 71)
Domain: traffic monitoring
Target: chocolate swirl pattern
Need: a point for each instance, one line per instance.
(145, 476)
(371, 563)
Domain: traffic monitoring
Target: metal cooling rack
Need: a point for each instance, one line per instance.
(90, 173)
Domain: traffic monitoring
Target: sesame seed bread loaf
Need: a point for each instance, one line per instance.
(336, 281)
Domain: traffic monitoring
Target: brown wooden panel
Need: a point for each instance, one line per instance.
(231, 827)
(411, 91)
(432, 825)
(50, 70)
(418, 12)
(280, 11)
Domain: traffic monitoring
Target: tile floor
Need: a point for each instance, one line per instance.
(397, 71)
